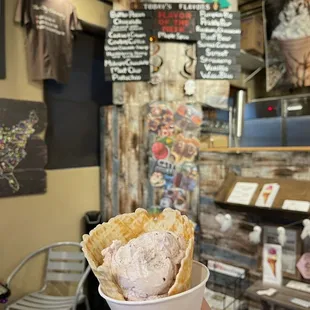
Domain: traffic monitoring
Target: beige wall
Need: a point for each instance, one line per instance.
(29, 222)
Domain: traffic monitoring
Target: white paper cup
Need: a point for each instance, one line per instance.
(189, 300)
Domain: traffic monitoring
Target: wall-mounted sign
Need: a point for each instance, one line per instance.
(175, 25)
(218, 45)
(217, 34)
(127, 46)
(22, 148)
(272, 264)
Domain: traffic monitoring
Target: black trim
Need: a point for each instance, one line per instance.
(2, 41)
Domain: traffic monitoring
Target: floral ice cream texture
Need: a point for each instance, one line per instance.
(146, 267)
(294, 21)
(267, 192)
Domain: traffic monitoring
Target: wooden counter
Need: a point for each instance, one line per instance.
(282, 298)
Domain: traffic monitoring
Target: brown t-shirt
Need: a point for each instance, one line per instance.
(49, 25)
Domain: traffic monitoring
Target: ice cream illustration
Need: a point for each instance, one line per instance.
(267, 193)
(293, 34)
(157, 179)
(272, 260)
(160, 151)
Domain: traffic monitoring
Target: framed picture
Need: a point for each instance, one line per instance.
(2, 41)
(291, 251)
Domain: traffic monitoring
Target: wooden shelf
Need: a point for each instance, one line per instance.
(289, 189)
(256, 149)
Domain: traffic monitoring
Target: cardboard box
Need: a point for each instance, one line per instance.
(211, 141)
(252, 38)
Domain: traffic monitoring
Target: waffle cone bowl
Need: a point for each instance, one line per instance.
(126, 227)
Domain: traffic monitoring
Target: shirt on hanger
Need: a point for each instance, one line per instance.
(49, 25)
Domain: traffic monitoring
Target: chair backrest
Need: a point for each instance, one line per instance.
(64, 266)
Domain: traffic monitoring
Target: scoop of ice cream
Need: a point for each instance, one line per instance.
(146, 267)
(294, 21)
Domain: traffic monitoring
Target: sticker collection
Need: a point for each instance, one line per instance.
(174, 147)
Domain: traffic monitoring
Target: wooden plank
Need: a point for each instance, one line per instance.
(123, 180)
(103, 209)
(116, 162)
(108, 171)
(258, 149)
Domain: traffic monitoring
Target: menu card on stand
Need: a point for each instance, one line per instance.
(218, 45)
(127, 46)
(242, 193)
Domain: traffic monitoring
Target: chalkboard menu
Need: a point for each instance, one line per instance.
(218, 45)
(216, 33)
(127, 46)
(175, 21)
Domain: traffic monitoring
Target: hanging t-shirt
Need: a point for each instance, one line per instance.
(49, 25)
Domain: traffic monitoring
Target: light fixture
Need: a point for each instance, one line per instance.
(294, 107)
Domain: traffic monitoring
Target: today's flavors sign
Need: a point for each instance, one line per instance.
(216, 34)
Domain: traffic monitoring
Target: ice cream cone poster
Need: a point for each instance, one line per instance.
(267, 195)
(272, 264)
(287, 34)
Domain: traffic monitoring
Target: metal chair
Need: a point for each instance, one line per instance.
(61, 267)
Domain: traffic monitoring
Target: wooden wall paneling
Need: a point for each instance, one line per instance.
(115, 162)
(132, 162)
(123, 180)
(106, 176)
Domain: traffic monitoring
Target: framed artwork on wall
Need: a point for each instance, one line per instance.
(2, 41)
(22, 148)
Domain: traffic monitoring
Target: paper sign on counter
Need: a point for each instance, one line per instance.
(267, 195)
(242, 193)
(296, 205)
(272, 264)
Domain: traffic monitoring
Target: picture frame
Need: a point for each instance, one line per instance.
(291, 251)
